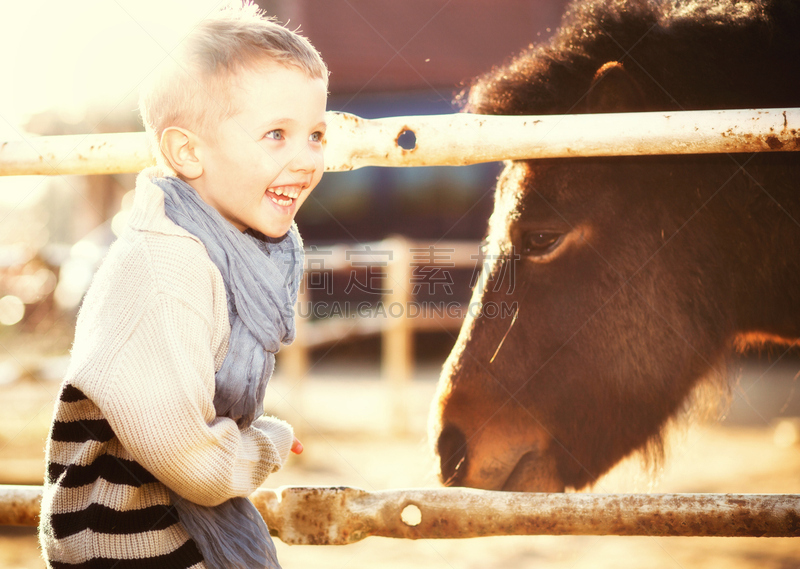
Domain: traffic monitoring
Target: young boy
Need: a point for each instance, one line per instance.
(157, 439)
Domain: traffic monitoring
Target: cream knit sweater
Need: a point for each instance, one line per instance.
(136, 415)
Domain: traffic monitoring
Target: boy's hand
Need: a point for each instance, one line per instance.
(297, 446)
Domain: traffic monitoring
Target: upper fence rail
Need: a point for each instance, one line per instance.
(452, 140)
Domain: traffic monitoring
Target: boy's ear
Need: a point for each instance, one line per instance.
(614, 90)
(178, 147)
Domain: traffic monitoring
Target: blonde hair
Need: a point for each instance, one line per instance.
(191, 88)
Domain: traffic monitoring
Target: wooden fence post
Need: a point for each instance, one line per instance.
(397, 358)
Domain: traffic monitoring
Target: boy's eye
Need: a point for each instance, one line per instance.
(316, 137)
(274, 134)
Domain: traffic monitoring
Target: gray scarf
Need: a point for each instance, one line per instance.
(261, 276)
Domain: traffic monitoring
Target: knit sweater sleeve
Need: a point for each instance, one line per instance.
(159, 402)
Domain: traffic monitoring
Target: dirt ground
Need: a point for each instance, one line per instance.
(344, 417)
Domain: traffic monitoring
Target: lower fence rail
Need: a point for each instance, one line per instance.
(338, 516)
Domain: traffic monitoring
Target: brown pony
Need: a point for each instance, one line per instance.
(625, 281)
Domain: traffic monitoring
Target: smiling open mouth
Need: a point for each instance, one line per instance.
(284, 195)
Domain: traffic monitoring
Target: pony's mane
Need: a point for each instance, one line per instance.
(554, 77)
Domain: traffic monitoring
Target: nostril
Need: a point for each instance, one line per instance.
(452, 450)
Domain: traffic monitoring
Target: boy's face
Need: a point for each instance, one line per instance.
(261, 163)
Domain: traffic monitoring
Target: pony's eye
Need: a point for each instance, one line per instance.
(537, 243)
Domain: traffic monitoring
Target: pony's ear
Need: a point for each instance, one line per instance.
(614, 90)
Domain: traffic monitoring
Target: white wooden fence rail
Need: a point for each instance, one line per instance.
(454, 140)
(338, 516)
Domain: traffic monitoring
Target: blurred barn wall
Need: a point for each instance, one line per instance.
(385, 45)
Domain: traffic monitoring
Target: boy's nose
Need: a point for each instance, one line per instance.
(305, 160)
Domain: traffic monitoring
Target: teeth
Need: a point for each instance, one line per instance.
(287, 201)
(286, 192)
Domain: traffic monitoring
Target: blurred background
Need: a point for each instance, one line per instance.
(74, 68)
